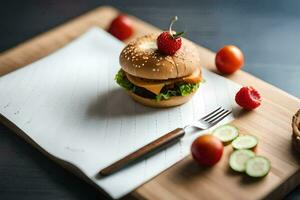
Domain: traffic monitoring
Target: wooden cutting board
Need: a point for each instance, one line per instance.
(271, 123)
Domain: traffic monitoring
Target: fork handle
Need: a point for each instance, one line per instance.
(156, 144)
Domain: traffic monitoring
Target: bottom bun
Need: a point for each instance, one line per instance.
(173, 101)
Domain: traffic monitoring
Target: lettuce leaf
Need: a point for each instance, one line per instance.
(187, 88)
(121, 79)
(180, 89)
(166, 95)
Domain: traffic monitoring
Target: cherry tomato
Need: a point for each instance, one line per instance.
(207, 150)
(121, 27)
(229, 59)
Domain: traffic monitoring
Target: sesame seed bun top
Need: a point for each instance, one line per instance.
(141, 58)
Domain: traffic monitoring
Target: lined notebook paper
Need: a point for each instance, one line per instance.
(69, 104)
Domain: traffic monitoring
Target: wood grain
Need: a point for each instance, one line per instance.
(271, 123)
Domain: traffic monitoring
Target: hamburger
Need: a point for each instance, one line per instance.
(154, 78)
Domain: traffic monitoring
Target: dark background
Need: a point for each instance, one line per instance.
(268, 32)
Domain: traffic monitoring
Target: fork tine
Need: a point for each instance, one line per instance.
(220, 117)
(211, 113)
(214, 115)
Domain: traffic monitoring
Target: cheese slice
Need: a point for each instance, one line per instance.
(152, 86)
(155, 86)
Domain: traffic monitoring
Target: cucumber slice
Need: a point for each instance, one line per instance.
(258, 166)
(238, 159)
(244, 142)
(226, 133)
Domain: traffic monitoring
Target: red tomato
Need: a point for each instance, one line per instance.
(121, 27)
(229, 59)
(207, 150)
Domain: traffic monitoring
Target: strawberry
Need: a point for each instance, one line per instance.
(248, 98)
(168, 42)
(121, 27)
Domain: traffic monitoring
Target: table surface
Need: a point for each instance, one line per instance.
(267, 32)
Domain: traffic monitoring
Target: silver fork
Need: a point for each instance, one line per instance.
(210, 119)
(203, 123)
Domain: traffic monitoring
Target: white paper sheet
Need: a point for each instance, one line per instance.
(69, 103)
